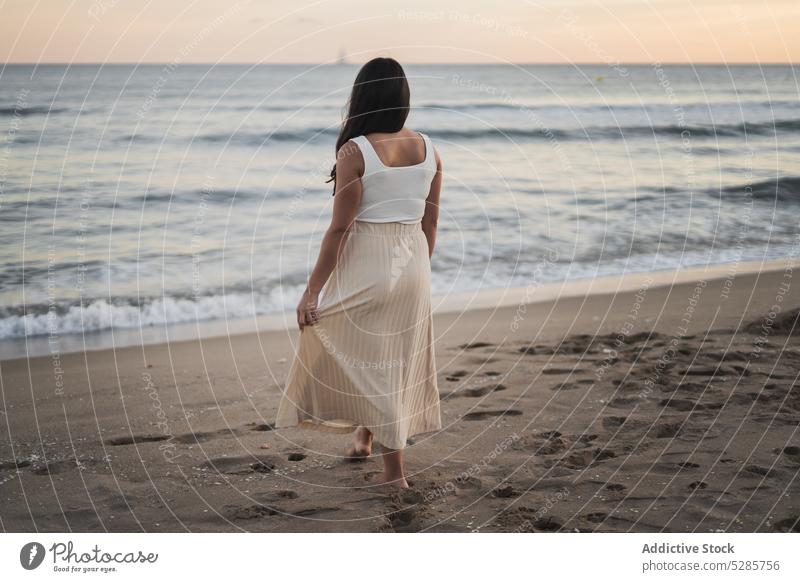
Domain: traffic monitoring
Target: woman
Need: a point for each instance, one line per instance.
(365, 359)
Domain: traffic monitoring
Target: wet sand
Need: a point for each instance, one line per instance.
(661, 407)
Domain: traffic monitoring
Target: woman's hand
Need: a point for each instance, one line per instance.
(307, 309)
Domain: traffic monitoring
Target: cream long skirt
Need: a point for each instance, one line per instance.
(369, 361)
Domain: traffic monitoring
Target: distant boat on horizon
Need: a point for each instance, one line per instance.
(342, 57)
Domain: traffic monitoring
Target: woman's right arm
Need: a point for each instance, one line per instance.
(349, 169)
(431, 216)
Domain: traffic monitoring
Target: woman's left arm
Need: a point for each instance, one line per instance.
(349, 168)
(431, 217)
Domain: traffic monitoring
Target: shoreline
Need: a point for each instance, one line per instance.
(118, 338)
(667, 408)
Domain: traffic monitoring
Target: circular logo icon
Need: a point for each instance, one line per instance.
(31, 555)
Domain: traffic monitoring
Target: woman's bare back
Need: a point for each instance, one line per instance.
(404, 148)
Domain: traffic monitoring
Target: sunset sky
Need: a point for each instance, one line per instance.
(303, 31)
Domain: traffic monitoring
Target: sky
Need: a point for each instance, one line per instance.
(413, 31)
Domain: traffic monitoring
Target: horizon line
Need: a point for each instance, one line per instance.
(443, 63)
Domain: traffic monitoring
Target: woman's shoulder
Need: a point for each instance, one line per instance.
(429, 143)
(350, 154)
(425, 137)
(352, 147)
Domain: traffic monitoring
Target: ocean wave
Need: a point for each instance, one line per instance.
(606, 132)
(293, 107)
(262, 138)
(510, 105)
(33, 110)
(623, 131)
(782, 188)
(99, 315)
(598, 106)
(216, 196)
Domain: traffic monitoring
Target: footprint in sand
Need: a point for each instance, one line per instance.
(312, 511)
(136, 439)
(403, 520)
(684, 405)
(56, 467)
(504, 492)
(789, 525)
(727, 356)
(674, 468)
(680, 404)
(243, 465)
(476, 392)
(478, 361)
(486, 414)
(261, 427)
(193, 438)
(668, 430)
(470, 482)
(455, 376)
(765, 397)
(622, 402)
(548, 524)
(598, 517)
(760, 471)
(742, 370)
(552, 442)
(624, 424)
(613, 422)
(687, 388)
(706, 371)
(746, 399)
(550, 447)
(561, 371)
(791, 453)
(184, 439)
(774, 376)
(780, 418)
(479, 391)
(571, 386)
(583, 459)
(83, 519)
(14, 464)
(408, 497)
(269, 497)
(239, 512)
(475, 345)
(526, 519)
(286, 494)
(46, 469)
(531, 350)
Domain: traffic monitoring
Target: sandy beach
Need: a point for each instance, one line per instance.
(657, 402)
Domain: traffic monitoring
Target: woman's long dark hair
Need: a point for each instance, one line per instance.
(379, 103)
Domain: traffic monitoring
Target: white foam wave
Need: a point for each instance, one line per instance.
(100, 315)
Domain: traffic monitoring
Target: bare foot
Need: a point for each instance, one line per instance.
(384, 479)
(361, 447)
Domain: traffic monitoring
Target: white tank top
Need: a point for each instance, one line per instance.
(394, 194)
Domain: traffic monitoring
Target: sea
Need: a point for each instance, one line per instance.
(149, 197)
